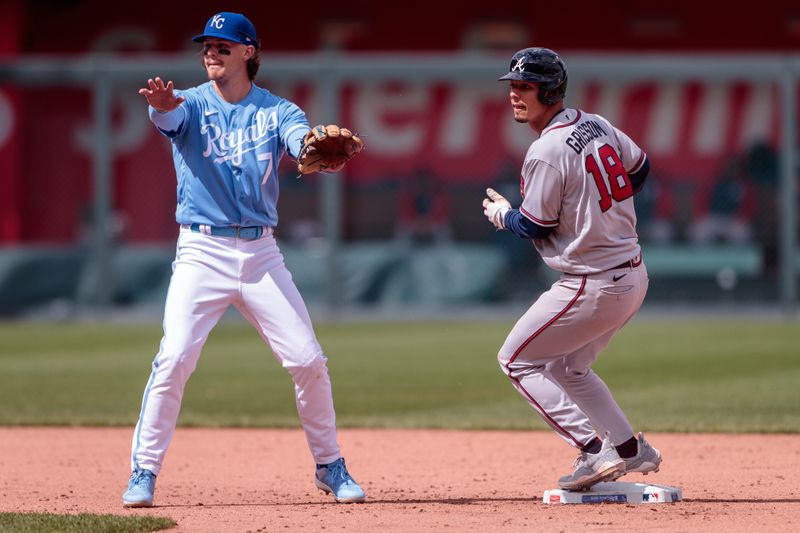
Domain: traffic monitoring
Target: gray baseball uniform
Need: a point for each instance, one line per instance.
(575, 180)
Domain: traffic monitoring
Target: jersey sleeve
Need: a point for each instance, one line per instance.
(632, 156)
(292, 126)
(168, 122)
(542, 189)
(189, 106)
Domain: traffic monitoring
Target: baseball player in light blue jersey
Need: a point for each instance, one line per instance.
(228, 136)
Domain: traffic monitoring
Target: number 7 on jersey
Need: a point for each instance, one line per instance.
(268, 158)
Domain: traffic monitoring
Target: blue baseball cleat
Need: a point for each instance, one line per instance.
(141, 486)
(334, 479)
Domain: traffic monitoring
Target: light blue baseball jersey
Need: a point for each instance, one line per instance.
(226, 156)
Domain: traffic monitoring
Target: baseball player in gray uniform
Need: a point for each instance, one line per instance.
(228, 136)
(578, 182)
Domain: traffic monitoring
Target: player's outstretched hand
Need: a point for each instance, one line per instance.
(495, 208)
(161, 96)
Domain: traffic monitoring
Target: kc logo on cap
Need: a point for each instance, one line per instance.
(233, 27)
(217, 21)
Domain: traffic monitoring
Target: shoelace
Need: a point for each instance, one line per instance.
(338, 472)
(142, 476)
(580, 459)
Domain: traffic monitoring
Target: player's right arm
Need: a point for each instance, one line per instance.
(542, 191)
(524, 227)
(166, 111)
(498, 210)
(161, 97)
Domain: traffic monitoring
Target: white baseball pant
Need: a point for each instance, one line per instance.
(209, 274)
(549, 352)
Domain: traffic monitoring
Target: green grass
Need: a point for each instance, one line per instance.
(668, 375)
(82, 523)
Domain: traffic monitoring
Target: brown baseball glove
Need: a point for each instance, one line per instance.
(327, 149)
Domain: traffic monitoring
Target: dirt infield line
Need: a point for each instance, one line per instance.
(235, 480)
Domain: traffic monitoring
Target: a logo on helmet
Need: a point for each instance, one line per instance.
(217, 22)
(520, 66)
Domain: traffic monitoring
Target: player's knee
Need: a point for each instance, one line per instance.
(174, 367)
(573, 374)
(314, 364)
(503, 362)
(503, 359)
(519, 369)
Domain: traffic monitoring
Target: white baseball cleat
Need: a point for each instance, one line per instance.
(592, 468)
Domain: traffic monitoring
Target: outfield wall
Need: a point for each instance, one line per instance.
(83, 170)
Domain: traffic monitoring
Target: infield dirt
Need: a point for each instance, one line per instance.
(237, 480)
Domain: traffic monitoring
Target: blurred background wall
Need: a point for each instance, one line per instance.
(87, 188)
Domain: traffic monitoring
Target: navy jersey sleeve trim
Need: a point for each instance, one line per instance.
(522, 226)
(638, 165)
(637, 178)
(538, 221)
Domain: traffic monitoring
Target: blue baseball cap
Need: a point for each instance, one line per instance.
(230, 26)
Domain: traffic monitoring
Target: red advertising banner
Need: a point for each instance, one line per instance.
(459, 133)
(11, 209)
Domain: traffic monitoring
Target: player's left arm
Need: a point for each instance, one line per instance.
(634, 160)
(293, 126)
(638, 175)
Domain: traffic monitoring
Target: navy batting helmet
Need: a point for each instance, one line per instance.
(542, 66)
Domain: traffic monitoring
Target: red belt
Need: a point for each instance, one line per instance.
(633, 263)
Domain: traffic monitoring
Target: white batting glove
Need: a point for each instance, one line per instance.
(495, 208)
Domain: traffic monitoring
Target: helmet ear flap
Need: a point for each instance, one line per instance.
(547, 97)
(550, 94)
